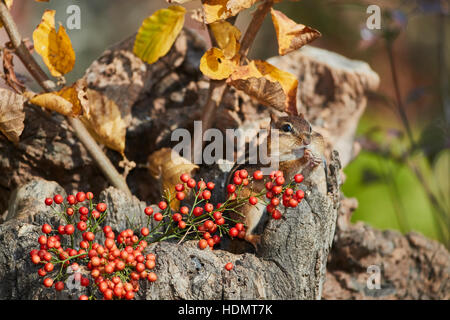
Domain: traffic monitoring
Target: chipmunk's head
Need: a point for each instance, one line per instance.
(293, 131)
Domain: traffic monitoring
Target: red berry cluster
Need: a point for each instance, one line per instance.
(116, 265)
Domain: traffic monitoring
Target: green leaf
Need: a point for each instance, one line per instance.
(158, 33)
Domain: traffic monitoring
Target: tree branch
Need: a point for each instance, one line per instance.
(39, 75)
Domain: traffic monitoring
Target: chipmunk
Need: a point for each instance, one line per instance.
(300, 150)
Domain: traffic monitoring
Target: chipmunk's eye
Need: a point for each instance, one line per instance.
(287, 127)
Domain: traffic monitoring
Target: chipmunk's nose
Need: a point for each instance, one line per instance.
(306, 139)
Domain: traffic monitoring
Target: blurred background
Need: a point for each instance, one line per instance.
(401, 177)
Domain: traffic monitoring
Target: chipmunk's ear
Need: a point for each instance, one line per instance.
(301, 116)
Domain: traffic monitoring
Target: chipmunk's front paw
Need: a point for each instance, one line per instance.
(313, 159)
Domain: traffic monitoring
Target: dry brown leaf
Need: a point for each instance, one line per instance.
(227, 37)
(267, 84)
(54, 47)
(69, 101)
(12, 115)
(291, 36)
(167, 166)
(10, 74)
(104, 121)
(223, 9)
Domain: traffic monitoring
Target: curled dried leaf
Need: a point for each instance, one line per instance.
(104, 121)
(291, 36)
(223, 9)
(69, 101)
(54, 47)
(216, 66)
(267, 84)
(10, 74)
(158, 33)
(227, 37)
(12, 115)
(166, 166)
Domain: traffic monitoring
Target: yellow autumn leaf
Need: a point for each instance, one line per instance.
(69, 101)
(227, 37)
(267, 84)
(216, 66)
(223, 9)
(167, 166)
(158, 33)
(54, 47)
(104, 121)
(12, 115)
(9, 4)
(291, 36)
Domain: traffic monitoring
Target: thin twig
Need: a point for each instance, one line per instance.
(39, 75)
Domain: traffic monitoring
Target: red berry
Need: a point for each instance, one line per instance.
(158, 216)
(243, 174)
(59, 286)
(269, 195)
(293, 203)
(210, 185)
(275, 202)
(181, 224)
(217, 215)
(184, 210)
(152, 277)
(81, 196)
(89, 195)
(216, 238)
(198, 211)
(201, 185)
(89, 236)
(208, 224)
(49, 267)
(237, 180)
(61, 230)
(269, 185)
(257, 175)
(177, 217)
(83, 297)
(206, 194)
(35, 259)
(148, 211)
(280, 181)
(288, 192)
(71, 199)
(191, 183)
(46, 228)
(300, 194)
(70, 211)
(84, 282)
(210, 242)
(298, 178)
(277, 189)
(231, 188)
(253, 200)
(220, 221)
(58, 199)
(184, 177)
(145, 231)
(101, 207)
(209, 207)
(233, 232)
(107, 229)
(276, 214)
(202, 244)
(162, 205)
(83, 211)
(95, 214)
(42, 240)
(48, 201)
(48, 282)
(228, 266)
(180, 196)
(179, 187)
(69, 229)
(82, 226)
(239, 226)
